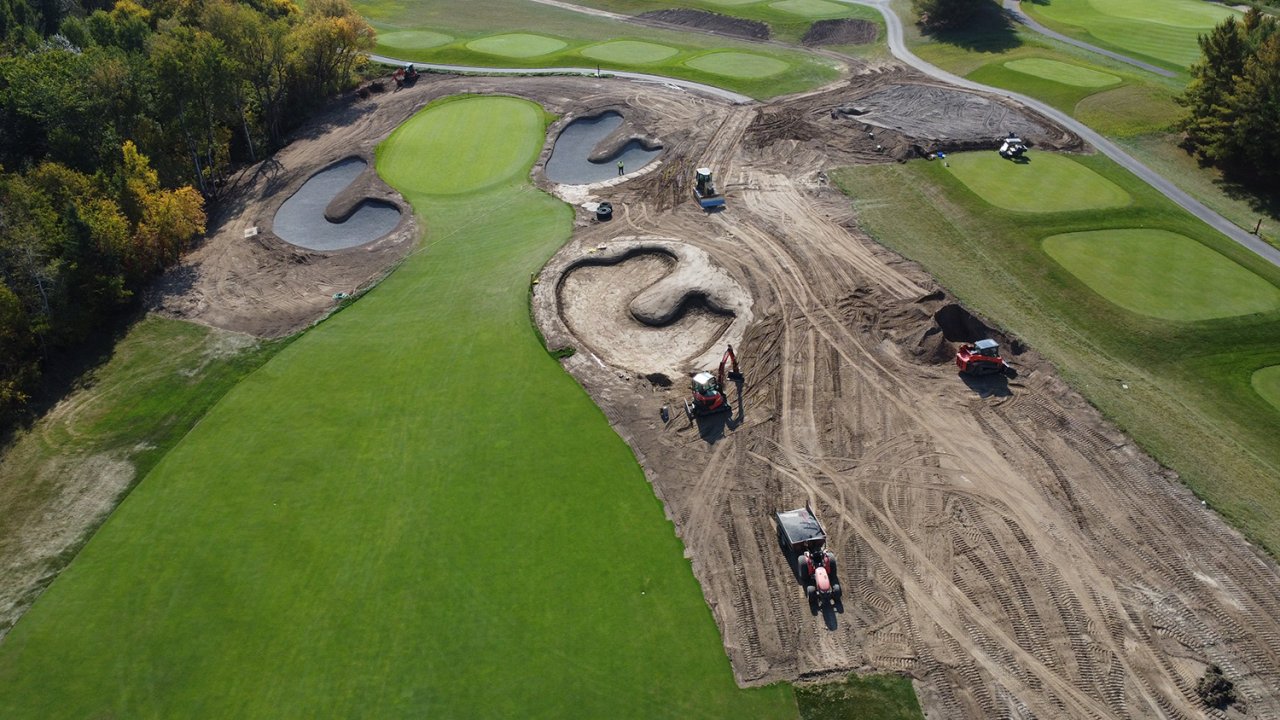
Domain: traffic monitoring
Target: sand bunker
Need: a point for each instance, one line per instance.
(652, 305)
(588, 151)
(321, 217)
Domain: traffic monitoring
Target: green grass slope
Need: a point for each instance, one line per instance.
(411, 511)
(1183, 390)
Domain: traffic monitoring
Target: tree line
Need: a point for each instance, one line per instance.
(1233, 101)
(119, 121)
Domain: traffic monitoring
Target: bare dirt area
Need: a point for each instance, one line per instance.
(707, 22)
(998, 540)
(846, 31)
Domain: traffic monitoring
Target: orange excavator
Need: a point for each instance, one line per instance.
(708, 390)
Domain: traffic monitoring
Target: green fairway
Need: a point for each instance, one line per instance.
(1047, 183)
(517, 45)
(629, 52)
(1165, 32)
(736, 64)
(811, 8)
(732, 2)
(495, 33)
(1065, 73)
(413, 39)
(1267, 382)
(1181, 390)
(412, 511)
(1162, 274)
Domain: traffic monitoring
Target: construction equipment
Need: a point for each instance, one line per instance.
(708, 390)
(981, 358)
(1012, 147)
(806, 544)
(405, 76)
(704, 189)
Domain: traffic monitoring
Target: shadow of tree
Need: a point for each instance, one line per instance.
(991, 29)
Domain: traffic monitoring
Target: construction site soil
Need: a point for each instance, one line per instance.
(999, 541)
(846, 31)
(708, 22)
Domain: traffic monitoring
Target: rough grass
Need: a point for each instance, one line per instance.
(811, 8)
(1162, 274)
(1189, 400)
(411, 511)
(870, 697)
(629, 52)
(1267, 382)
(1164, 33)
(579, 32)
(1046, 183)
(1130, 110)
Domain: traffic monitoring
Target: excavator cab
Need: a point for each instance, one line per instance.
(987, 348)
(708, 390)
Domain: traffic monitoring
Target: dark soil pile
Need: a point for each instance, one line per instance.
(840, 32)
(711, 22)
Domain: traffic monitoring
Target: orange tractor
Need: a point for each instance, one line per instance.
(981, 358)
(708, 390)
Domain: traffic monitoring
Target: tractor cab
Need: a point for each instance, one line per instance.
(706, 385)
(987, 348)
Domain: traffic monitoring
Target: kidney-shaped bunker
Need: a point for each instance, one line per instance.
(575, 160)
(301, 219)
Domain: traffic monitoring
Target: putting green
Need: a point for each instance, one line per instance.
(1266, 382)
(1046, 183)
(1166, 30)
(1162, 274)
(411, 511)
(1065, 73)
(517, 45)
(811, 8)
(494, 150)
(629, 51)
(736, 64)
(413, 39)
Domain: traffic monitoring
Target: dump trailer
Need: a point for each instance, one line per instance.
(704, 189)
(805, 541)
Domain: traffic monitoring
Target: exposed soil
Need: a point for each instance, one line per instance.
(999, 541)
(708, 22)
(847, 31)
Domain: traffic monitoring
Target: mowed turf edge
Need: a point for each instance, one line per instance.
(412, 510)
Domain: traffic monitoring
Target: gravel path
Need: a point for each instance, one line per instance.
(1015, 10)
(898, 47)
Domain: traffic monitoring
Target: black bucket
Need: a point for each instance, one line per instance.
(604, 212)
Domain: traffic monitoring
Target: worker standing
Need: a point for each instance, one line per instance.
(619, 168)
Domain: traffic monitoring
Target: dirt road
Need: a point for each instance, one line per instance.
(998, 540)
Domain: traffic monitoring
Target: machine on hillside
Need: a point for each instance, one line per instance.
(981, 358)
(806, 544)
(704, 189)
(1012, 147)
(405, 76)
(708, 396)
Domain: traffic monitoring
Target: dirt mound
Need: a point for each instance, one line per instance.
(770, 126)
(709, 22)
(840, 32)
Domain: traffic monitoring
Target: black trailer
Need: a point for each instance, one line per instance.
(800, 531)
(805, 542)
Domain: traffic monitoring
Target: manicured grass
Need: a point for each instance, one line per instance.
(1162, 274)
(1165, 32)
(412, 511)
(1066, 73)
(731, 3)
(1189, 398)
(517, 45)
(484, 31)
(738, 65)
(870, 697)
(1046, 183)
(1267, 382)
(629, 52)
(810, 8)
(413, 39)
